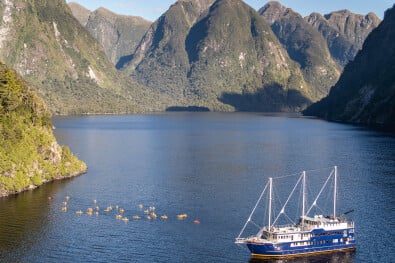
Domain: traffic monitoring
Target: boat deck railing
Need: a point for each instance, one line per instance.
(243, 240)
(240, 240)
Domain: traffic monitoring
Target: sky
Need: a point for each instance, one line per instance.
(152, 9)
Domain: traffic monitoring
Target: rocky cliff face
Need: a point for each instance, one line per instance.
(30, 155)
(365, 93)
(344, 32)
(305, 45)
(221, 55)
(43, 41)
(118, 34)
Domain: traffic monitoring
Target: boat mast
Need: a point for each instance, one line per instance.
(303, 196)
(270, 199)
(335, 193)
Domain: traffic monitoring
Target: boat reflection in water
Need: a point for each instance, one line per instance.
(333, 257)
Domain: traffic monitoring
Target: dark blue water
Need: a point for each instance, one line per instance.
(211, 167)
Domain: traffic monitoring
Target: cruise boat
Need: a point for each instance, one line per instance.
(309, 235)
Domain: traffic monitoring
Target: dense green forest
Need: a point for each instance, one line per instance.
(29, 153)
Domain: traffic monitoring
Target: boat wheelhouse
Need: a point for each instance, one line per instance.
(310, 235)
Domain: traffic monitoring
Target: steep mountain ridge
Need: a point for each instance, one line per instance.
(212, 54)
(221, 55)
(365, 93)
(118, 34)
(161, 61)
(344, 32)
(43, 41)
(80, 12)
(305, 45)
(30, 155)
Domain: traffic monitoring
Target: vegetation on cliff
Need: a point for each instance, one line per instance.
(321, 45)
(29, 153)
(118, 34)
(365, 93)
(305, 45)
(221, 55)
(344, 32)
(45, 44)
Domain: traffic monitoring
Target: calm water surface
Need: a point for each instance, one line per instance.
(207, 165)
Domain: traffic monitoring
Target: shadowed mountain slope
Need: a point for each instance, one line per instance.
(365, 93)
(221, 55)
(305, 45)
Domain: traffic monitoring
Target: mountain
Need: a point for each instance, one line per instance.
(365, 93)
(344, 32)
(118, 34)
(30, 155)
(43, 42)
(80, 12)
(220, 55)
(305, 45)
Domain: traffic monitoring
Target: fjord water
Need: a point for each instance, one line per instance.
(210, 166)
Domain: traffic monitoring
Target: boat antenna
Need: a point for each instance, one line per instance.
(335, 193)
(270, 199)
(304, 196)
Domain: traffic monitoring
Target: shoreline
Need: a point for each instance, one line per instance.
(6, 193)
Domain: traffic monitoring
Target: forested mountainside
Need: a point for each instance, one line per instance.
(305, 45)
(165, 61)
(221, 55)
(29, 153)
(44, 43)
(212, 54)
(365, 93)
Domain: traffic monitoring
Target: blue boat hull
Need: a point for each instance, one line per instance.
(285, 250)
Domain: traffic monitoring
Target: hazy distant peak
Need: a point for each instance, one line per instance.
(77, 5)
(350, 23)
(114, 17)
(343, 13)
(104, 11)
(273, 11)
(80, 12)
(274, 5)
